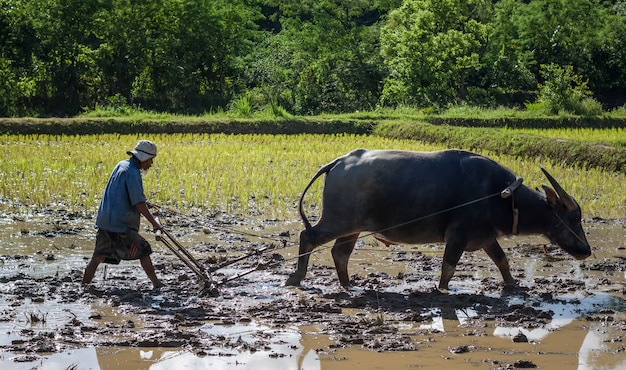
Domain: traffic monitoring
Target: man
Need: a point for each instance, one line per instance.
(119, 215)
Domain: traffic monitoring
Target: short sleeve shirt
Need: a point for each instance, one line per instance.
(117, 211)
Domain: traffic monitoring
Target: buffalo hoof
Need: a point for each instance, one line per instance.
(511, 283)
(293, 280)
(512, 289)
(442, 288)
(351, 289)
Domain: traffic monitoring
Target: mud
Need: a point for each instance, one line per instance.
(563, 313)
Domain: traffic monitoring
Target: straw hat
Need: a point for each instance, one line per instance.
(144, 150)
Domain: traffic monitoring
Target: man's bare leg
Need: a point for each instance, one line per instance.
(91, 268)
(146, 263)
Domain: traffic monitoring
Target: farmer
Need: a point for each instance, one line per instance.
(118, 215)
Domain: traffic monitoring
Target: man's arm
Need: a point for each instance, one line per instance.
(142, 207)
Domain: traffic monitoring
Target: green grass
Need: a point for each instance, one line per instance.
(242, 174)
(243, 108)
(520, 144)
(223, 162)
(613, 136)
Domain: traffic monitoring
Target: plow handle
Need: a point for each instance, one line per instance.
(187, 259)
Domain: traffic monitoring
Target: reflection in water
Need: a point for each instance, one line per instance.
(243, 360)
(565, 336)
(84, 358)
(289, 349)
(592, 355)
(567, 341)
(282, 351)
(563, 315)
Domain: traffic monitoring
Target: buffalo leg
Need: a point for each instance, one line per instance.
(495, 252)
(309, 239)
(304, 252)
(451, 256)
(341, 254)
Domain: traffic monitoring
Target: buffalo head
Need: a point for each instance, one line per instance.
(566, 231)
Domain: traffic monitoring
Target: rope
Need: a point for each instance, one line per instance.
(569, 228)
(319, 249)
(360, 236)
(432, 214)
(507, 192)
(225, 228)
(262, 266)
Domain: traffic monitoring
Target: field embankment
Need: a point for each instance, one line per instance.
(531, 122)
(468, 133)
(87, 126)
(572, 153)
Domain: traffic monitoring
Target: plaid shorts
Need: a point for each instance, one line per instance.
(121, 246)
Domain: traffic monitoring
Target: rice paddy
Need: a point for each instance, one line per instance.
(261, 175)
(615, 136)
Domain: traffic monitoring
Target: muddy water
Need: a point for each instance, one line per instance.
(565, 313)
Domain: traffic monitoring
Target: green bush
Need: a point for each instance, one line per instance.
(589, 107)
(619, 112)
(277, 110)
(242, 106)
(564, 91)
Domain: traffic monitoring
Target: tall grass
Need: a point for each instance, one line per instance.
(259, 174)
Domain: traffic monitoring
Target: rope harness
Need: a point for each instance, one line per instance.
(509, 191)
(570, 229)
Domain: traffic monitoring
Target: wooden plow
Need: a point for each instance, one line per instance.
(210, 286)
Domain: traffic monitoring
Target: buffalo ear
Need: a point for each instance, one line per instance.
(566, 199)
(551, 196)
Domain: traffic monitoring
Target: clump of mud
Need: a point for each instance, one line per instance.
(177, 314)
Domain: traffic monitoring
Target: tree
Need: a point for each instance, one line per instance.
(65, 32)
(432, 48)
(18, 42)
(329, 49)
(60, 57)
(563, 90)
(173, 55)
(587, 35)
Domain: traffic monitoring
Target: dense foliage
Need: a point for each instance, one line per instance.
(63, 57)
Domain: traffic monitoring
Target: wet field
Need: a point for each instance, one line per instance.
(564, 313)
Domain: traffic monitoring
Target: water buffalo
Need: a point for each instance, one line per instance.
(449, 196)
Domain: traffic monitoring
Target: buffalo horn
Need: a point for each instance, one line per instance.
(567, 200)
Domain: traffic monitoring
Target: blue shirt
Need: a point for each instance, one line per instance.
(117, 211)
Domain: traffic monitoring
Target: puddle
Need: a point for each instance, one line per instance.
(565, 313)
